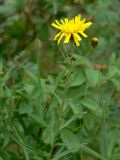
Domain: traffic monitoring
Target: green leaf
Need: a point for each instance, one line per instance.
(112, 58)
(88, 150)
(116, 156)
(8, 7)
(75, 106)
(74, 117)
(116, 83)
(77, 78)
(6, 138)
(53, 127)
(70, 140)
(92, 105)
(7, 75)
(20, 140)
(38, 119)
(113, 70)
(29, 88)
(92, 76)
(81, 61)
(11, 6)
(1, 158)
(60, 155)
(49, 133)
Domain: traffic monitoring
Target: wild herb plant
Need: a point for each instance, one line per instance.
(59, 101)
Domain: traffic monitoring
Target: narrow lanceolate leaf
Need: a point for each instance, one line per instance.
(90, 151)
(20, 140)
(60, 155)
(38, 119)
(74, 117)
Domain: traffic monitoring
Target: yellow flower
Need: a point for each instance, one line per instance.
(71, 28)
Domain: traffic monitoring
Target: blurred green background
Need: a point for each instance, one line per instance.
(30, 60)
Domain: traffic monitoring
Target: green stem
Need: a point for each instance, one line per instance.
(25, 153)
(39, 68)
(62, 105)
(104, 117)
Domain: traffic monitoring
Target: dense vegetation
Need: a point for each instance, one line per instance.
(49, 111)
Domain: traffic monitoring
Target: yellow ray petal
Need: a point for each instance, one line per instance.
(77, 19)
(57, 22)
(77, 36)
(79, 16)
(83, 20)
(83, 34)
(62, 21)
(61, 36)
(56, 26)
(57, 36)
(66, 20)
(67, 39)
(71, 21)
(87, 24)
(76, 41)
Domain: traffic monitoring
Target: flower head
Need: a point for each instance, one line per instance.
(94, 42)
(71, 28)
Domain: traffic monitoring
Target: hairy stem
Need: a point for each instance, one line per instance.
(62, 105)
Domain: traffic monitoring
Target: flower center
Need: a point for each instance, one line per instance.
(69, 29)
